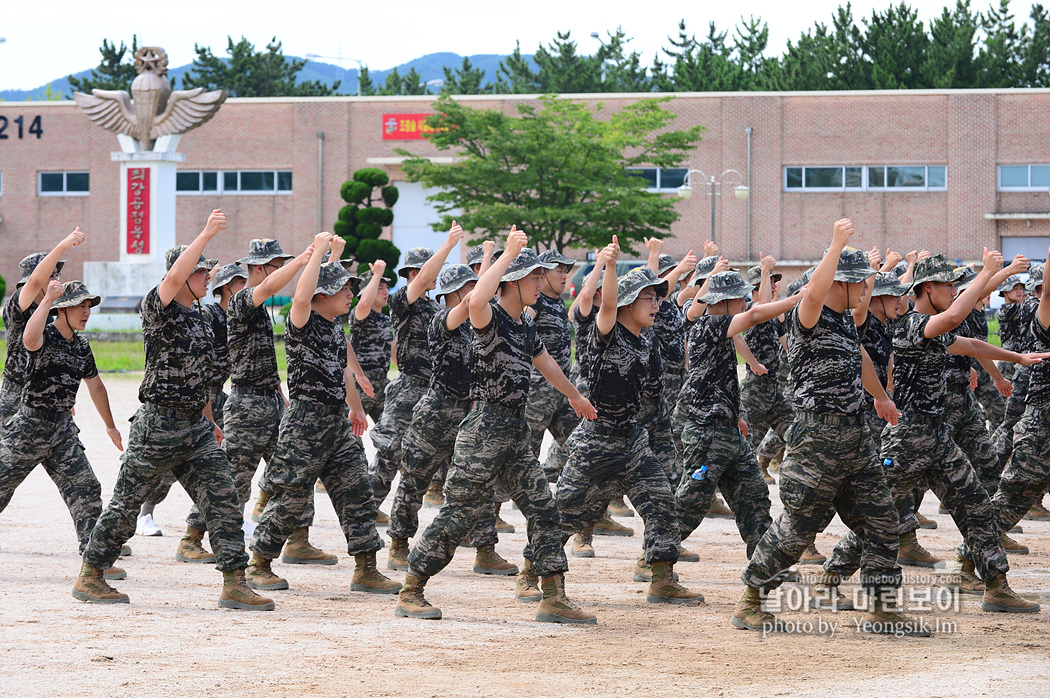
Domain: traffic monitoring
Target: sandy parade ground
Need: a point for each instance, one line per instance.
(324, 639)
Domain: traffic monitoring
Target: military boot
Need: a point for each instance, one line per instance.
(125, 550)
(114, 573)
(686, 555)
(410, 600)
(583, 543)
(763, 465)
(501, 525)
(298, 551)
(236, 593)
(618, 507)
(911, 553)
(926, 523)
(191, 547)
(527, 586)
(397, 558)
(812, 556)
(381, 518)
(91, 586)
(826, 594)
(719, 510)
(607, 527)
(886, 619)
(1011, 546)
(1038, 513)
(259, 575)
(750, 616)
(369, 579)
(488, 561)
(1000, 597)
(260, 505)
(643, 571)
(664, 588)
(965, 581)
(434, 498)
(555, 606)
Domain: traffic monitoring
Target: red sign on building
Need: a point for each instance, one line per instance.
(405, 127)
(138, 210)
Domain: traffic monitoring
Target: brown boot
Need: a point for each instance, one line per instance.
(260, 576)
(1000, 597)
(686, 555)
(1011, 546)
(826, 594)
(750, 616)
(91, 586)
(527, 586)
(501, 525)
(488, 561)
(618, 507)
(114, 573)
(607, 527)
(191, 548)
(643, 571)
(812, 556)
(1038, 513)
(298, 551)
(369, 579)
(434, 499)
(397, 558)
(319, 487)
(260, 505)
(719, 510)
(775, 461)
(381, 518)
(911, 553)
(555, 606)
(237, 594)
(763, 465)
(411, 603)
(887, 619)
(926, 523)
(125, 550)
(665, 588)
(583, 543)
(965, 581)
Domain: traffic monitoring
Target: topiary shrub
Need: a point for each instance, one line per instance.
(361, 221)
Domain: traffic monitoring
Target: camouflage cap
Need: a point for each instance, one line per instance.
(725, 285)
(227, 274)
(332, 277)
(934, 268)
(263, 250)
(415, 259)
(901, 269)
(29, 264)
(454, 277)
(476, 255)
(704, 268)
(1035, 277)
(553, 255)
(853, 266)
(754, 275)
(367, 277)
(634, 282)
(796, 285)
(173, 254)
(665, 264)
(887, 284)
(966, 277)
(523, 265)
(74, 293)
(1010, 282)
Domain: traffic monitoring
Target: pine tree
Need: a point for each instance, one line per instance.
(114, 72)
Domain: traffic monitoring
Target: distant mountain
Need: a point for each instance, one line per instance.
(429, 67)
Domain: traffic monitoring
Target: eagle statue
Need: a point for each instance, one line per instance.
(153, 109)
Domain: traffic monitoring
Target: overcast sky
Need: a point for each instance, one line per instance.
(47, 39)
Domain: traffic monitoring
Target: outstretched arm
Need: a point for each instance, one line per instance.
(961, 307)
(187, 261)
(553, 373)
(40, 276)
(299, 315)
(810, 307)
(429, 273)
(606, 319)
(585, 298)
(280, 278)
(762, 313)
(370, 291)
(488, 284)
(100, 396)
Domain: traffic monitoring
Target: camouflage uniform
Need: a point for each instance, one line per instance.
(670, 333)
(371, 339)
(316, 440)
(1015, 321)
(761, 396)
(169, 433)
(988, 395)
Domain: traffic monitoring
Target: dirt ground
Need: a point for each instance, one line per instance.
(324, 639)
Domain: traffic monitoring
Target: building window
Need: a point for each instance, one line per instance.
(832, 178)
(234, 182)
(660, 179)
(1024, 177)
(62, 183)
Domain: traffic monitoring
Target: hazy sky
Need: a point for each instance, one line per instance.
(47, 39)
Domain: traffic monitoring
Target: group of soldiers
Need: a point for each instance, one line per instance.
(863, 397)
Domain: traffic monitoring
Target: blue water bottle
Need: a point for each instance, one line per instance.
(887, 462)
(701, 474)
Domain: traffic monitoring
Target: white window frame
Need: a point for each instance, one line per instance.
(804, 188)
(659, 176)
(925, 178)
(866, 185)
(65, 183)
(999, 177)
(221, 189)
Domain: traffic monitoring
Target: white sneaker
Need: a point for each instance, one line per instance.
(146, 526)
(248, 528)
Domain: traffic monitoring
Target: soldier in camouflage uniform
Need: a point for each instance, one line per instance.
(493, 444)
(171, 431)
(371, 336)
(1015, 319)
(43, 431)
(919, 449)
(830, 466)
(319, 437)
(988, 388)
(411, 311)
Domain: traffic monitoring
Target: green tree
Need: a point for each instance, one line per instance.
(949, 58)
(894, 46)
(1035, 53)
(364, 82)
(1000, 49)
(621, 71)
(697, 66)
(361, 221)
(464, 80)
(251, 73)
(756, 70)
(558, 170)
(115, 71)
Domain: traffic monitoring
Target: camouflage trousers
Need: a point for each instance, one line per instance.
(603, 459)
(374, 405)
(402, 395)
(1003, 439)
(316, 442)
(181, 442)
(51, 439)
(875, 423)
(966, 425)
(10, 401)
(549, 410)
(656, 420)
(830, 467)
(218, 399)
(991, 401)
(427, 448)
(673, 377)
(766, 410)
(733, 469)
(771, 445)
(1027, 475)
(920, 451)
(493, 446)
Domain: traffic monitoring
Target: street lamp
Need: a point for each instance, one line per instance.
(360, 65)
(713, 188)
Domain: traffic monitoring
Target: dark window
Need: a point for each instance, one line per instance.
(187, 181)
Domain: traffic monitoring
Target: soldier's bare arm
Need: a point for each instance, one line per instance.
(187, 261)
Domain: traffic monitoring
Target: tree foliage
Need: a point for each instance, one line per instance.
(115, 71)
(250, 73)
(361, 221)
(557, 169)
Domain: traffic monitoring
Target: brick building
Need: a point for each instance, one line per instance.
(950, 170)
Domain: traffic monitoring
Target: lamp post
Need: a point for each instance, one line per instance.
(713, 188)
(360, 65)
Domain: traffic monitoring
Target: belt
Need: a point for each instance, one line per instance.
(845, 420)
(42, 414)
(253, 390)
(444, 399)
(620, 432)
(931, 420)
(716, 421)
(187, 415)
(501, 410)
(318, 408)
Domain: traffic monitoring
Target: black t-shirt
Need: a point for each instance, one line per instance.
(55, 371)
(653, 385)
(15, 323)
(670, 333)
(451, 354)
(825, 363)
(581, 326)
(876, 339)
(1039, 378)
(918, 366)
(957, 366)
(1029, 308)
(764, 342)
(316, 360)
(371, 339)
(178, 354)
(503, 355)
(253, 359)
(411, 325)
(1011, 326)
(552, 326)
(619, 373)
(715, 393)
